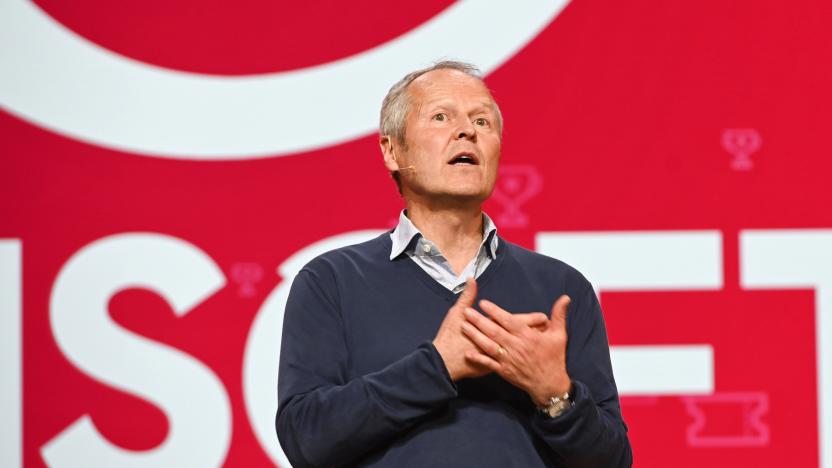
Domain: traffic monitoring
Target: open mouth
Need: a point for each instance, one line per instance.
(463, 159)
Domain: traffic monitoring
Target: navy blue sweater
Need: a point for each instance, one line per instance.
(360, 383)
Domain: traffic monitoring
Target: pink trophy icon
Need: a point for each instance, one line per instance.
(516, 185)
(246, 274)
(741, 143)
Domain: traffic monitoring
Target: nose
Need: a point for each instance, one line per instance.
(466, 130)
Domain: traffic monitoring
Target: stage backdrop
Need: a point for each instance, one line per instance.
(167, 167)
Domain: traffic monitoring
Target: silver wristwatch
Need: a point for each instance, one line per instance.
(557, 405)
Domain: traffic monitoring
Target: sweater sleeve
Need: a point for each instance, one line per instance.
(325, 418)
(592, 433)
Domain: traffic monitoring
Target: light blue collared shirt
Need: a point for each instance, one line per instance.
(430, 259)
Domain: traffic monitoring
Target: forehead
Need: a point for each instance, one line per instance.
(437, 84)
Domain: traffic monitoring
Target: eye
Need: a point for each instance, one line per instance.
(440, 117)
(481, 122)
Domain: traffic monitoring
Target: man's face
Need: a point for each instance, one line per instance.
(452, 139)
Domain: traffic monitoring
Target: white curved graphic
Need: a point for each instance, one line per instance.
(56, 79)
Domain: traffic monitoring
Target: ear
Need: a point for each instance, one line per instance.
(385, 142)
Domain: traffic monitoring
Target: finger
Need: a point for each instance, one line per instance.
(484, 343)
(483, 360)
(503, 317)
(490, 328)
(533, 319)
(468, 295)
(559, 311)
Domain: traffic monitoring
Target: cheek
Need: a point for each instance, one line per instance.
(493, 156)
(429, 147)
(492, 176)
(493, 168)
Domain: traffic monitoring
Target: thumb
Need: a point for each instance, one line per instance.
(469, 294)
(559, 311)
(533, 319)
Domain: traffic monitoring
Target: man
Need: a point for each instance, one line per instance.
(385, 360)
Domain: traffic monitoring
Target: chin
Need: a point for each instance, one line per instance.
(468, 196)
(453, 193)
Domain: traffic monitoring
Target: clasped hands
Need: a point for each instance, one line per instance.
(526, 349)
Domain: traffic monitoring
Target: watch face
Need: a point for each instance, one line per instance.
(553, 411)
(558, 408)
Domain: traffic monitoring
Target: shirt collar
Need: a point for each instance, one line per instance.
(405, 232)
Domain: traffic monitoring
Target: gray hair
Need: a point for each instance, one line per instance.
(396, 104)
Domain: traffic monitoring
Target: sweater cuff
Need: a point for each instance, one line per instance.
(583, 406)
(441, 369)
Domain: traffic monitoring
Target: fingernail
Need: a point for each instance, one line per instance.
(469, 312)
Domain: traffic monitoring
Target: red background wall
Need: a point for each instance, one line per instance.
(620, 108)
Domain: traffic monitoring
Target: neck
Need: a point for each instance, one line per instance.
(456, 231)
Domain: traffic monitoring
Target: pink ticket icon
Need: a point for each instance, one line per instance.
(727, 420)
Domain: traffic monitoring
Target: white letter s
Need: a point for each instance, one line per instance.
(188, 392)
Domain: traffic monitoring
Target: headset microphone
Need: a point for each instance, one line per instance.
(408, 168)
